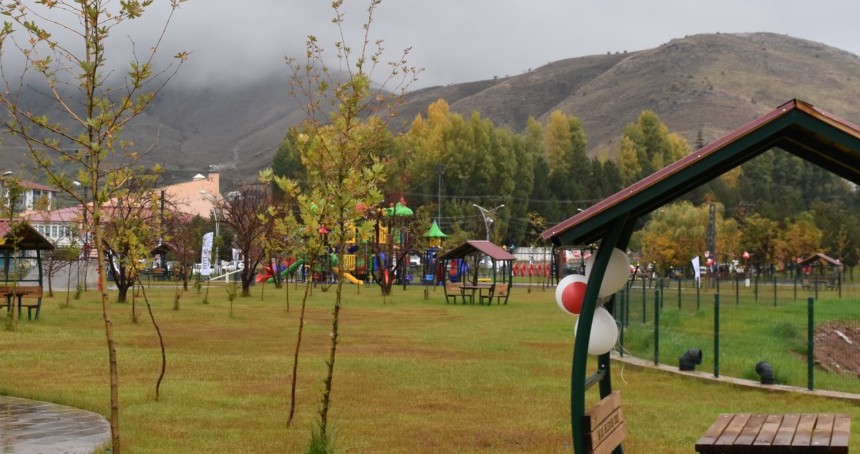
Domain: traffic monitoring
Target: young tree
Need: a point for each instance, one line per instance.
(75, 80)
(133, 226)
(244, 211)
(336, 145)
(184, 242)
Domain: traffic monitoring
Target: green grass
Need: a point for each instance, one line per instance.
(750, 331)
(412, 375)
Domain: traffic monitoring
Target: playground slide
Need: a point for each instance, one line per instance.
(352, 279)
(348, 277)
(293, 267)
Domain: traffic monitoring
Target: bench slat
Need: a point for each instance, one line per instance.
(786, 430)
(803, 435)
(733, 430)
(841, 433)
(750, 430)
(823, 430)
(714, 431)
(768, 430)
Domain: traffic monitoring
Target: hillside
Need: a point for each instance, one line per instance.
(709, 84)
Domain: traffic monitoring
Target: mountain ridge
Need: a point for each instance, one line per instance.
(703, 85)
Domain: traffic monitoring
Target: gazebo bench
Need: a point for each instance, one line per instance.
(20, 292)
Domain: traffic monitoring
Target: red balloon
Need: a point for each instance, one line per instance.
(572, 297)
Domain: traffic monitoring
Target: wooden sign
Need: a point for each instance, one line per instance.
(604, 425)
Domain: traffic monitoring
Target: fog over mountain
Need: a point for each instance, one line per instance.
(704, 85)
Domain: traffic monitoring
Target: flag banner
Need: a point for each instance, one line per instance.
(206, 254)
(696, 269)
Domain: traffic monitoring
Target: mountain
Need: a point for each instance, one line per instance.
(711, 84)
(702, 85)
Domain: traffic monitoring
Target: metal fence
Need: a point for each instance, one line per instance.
(806, 334)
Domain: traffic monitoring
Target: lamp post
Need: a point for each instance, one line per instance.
(212, 199)
(487, 215)
(85, 250)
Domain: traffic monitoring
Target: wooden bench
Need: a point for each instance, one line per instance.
(20, 292)
(774, 433)
(453, 290)
(498, 292)
(604, 426)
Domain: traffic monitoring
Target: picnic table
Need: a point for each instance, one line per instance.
(13, 292)
(469, 291)
(772, 433)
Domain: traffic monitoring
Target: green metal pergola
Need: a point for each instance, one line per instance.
(796, 127)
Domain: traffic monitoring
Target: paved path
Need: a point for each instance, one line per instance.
(29, 426)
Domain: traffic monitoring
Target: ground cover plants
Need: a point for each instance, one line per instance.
(416, 375)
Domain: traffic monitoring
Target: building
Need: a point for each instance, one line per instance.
(34, 196)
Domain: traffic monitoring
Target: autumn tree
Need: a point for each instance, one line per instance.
(800, 238)
(676, 233)
(244, 212)
(132, 225)
(647, 146)
(183, 241)
(346, 117)
(76, 82)
(759, 237)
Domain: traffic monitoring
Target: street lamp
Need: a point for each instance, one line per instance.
(487, 215)
(206, 195)
(85, 249)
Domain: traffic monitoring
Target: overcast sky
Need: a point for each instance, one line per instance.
(465, 40)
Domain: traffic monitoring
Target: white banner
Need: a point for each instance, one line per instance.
(696, 269)
(206, 254)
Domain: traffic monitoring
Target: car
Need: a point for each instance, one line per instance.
(415, 260)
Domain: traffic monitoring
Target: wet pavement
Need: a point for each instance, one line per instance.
(30, 427)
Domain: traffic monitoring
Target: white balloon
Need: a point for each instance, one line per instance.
(604, 332)
(617, 272)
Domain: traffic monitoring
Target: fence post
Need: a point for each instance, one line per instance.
(774, 289)
(737, 291)
(698, 288)
(644, 302)
(716, 334)
(656, 327)
(810, 342)
(679, 293)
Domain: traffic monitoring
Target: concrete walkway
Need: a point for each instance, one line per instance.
(29, 426)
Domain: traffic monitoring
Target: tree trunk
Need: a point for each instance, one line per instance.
(106, 314)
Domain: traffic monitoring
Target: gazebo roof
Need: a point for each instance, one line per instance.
(28, 237)
(470, 246)
(796, 127)
(820, 257)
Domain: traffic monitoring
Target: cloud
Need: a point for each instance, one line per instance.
(459, 41)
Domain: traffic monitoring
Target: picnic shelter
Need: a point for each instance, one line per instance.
(21, 265)
(796, 127)
(469, 256)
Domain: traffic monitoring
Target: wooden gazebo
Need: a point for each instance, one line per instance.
(472, 251)
(21, 265)
(796, 127)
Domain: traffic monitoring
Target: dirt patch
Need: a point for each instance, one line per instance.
(837, 348)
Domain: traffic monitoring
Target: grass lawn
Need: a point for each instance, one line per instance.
(412, 375)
